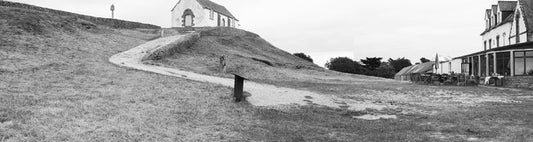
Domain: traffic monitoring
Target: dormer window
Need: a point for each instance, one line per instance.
(495, 20)
(490, 22)
(211, 14)
(498, 17)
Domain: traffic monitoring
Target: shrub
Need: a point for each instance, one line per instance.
(303, 56)
(344, 64)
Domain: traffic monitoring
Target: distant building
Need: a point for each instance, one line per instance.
(412, 73)
(202, 13)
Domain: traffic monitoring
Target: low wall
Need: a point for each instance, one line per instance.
(518, 81)
(173, 48)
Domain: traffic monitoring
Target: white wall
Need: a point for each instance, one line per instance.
(456, 65)
(499, 31)
(444, 68)
(197, 9)
(449, 66)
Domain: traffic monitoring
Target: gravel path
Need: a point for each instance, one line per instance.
(262, 94)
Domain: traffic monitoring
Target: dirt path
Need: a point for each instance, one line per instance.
(262, 94)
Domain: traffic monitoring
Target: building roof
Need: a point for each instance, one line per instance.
(213, 6)
(415, 69)
(509, 19)
(527, 45)
(404, 71)
(527, 13)
(216, 7)
(494, 9)
(507, 5)
(487, 12)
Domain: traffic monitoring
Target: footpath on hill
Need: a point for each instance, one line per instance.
(261, 94)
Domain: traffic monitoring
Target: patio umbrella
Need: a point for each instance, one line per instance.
(437, 62)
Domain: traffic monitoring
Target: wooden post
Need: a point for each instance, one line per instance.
(239, 88)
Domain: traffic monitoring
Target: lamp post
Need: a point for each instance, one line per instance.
(112, 11)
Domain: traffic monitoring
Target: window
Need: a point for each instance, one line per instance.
(497, 41)
(503, 63)
(485, 45)
(523, 63)
(483, 65)
(495, 19)
(490, 43)
(465, 66)
(476, 65)
(517, 27)
(490, 22)
(470, 66)
(211, 14)
(503, 36)
(491, 64)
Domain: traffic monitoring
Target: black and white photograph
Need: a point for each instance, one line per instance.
(266, 71)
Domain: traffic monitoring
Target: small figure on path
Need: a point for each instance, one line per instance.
(223, 63)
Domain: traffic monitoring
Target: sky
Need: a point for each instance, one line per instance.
(328, 29)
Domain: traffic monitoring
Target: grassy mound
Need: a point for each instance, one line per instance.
(249, 55)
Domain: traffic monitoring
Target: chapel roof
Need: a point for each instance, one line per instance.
(507, 5)
(216, 7)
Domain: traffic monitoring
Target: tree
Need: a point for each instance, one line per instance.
(344, 64)
(424, 60)
(372, 63)
(303, 56)
(386, 70)
(399, 63)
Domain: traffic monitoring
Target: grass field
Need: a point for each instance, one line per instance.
(56, 84)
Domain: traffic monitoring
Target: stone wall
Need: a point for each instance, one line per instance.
(173, 48)
(518, 82)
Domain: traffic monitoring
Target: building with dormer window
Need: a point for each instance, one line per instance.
(507, 42)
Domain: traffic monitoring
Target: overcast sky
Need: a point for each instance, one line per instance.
(347, 28)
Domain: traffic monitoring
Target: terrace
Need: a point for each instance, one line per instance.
(515, 62)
